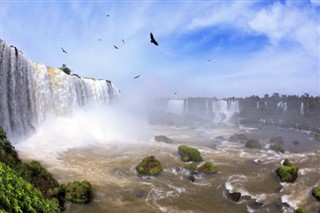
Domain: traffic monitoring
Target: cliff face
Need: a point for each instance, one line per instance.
(29, 91)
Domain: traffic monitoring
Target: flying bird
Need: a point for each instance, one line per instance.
(116, 47)
(209, 60)
(123, 41)
(63, 50)
(153, 40)
(175, 93)
(99, 39)
(136, 76)
(108, 15)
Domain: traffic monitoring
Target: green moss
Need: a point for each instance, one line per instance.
(8, 154)
(17, 195)
(316, 192)
(277, 148)
(278, 140)
(149, 166)
(208, 168)
(286, 162)
(192, 166)
(317, 136)
(238, 138)
(253, 143)
(79, 192)
(189, 154)
(287, 173)
(300, 210)
(37, 176)
(3, 134)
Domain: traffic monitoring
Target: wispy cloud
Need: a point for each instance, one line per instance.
(255, 47)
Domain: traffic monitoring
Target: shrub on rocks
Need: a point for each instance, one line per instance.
(149, 166)
(189, 154)
(253, 144)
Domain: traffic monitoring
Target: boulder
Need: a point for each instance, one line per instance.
(79, 192)
(316, 192)
(277, 140)
(189, 154)
(208, 168)
(235, 196)
(149, 166)
(253, 144)
(238, 138)
(164, 139)
(287, 173)
(277, 147)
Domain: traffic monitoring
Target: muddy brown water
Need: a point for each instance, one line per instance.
(117, 187)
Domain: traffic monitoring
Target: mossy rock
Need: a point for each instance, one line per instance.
(79, 192)
(192, 166)
(287, 174)
(149, 166)
(253, 144)
(295, 142)
(164, 139)
(208, 168)
(300, 210)
(316, 192)
(277, 147)
(287, 162)
(238, 138)
(189, 154)
(278, 140)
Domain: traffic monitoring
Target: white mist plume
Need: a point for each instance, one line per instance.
(95, 125)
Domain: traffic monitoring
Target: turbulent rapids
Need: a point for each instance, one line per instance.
(29, 91)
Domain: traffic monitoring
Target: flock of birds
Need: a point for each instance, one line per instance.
(152, 40)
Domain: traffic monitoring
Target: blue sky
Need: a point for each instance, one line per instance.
(255, 47)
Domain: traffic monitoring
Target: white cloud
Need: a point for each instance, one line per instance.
(289, 23)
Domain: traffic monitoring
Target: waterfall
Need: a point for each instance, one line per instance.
(223, 110)
(29, 91)
(282, 106)
(302, 109)
(258, 105)
(176, 106)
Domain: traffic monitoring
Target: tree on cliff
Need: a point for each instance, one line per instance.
(65, 69)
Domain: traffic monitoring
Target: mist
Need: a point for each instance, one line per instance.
(91, 126)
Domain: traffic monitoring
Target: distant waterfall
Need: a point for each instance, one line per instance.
(30, 91)
(176, 106)
(216, 111)
(302, 109)
(282, 106)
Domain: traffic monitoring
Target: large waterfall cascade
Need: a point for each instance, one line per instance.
(29, 91)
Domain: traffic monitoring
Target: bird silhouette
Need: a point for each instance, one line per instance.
(116, 47)
(64, 65)
(123, 41)
(209, 60)
(99, 39)
(175, 93)
(63, 50)
(108, 15)
(153, 40)
(136, 76)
